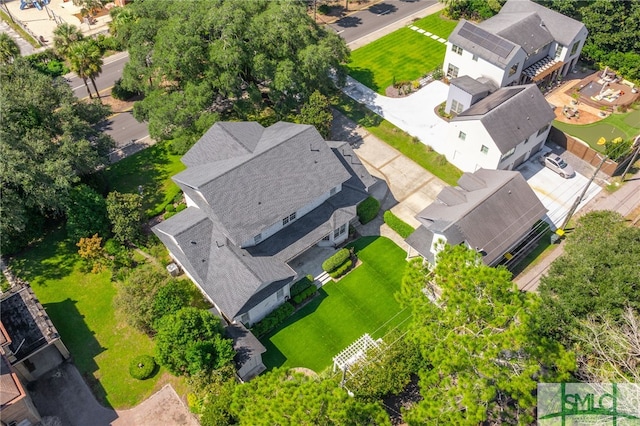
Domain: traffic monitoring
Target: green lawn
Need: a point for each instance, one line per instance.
(361, 302)
(403, 55)
(81, 307)
(623, 125)
(399, 139)
(152, 168)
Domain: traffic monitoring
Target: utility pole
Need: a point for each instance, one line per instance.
(581, 196)
(636, 143)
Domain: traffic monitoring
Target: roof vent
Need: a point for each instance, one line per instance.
(194, 243)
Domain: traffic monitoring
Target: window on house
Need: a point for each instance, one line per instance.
(244, 319)
(280, 294)
(452, 71)
(456, 106)
(285, 221)
(558, 51)
(484, 149)
(326, 238)
(544, 129)
(336, 233)
(462, 136)
(474, 58)
(292, 217)
(257, 238)
(514, 69)
(574, 48)
(343, 229)
(456, 49)
(508, 153)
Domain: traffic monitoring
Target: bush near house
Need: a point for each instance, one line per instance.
(301, 285)
(273, 319)
(368, 210)
(341, 270)
(142, 367)
(304, 295)
(401, 227)
(336, 260)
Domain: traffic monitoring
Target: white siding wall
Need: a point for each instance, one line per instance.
(269, 231)
(524, 148)
(459, 95)
(264, 308)
(466, 154)
(566, 56)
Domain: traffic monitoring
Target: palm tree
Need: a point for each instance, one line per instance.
(86, 61)
(64, 36)
(9, 49)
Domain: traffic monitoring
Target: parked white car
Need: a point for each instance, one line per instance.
(557, 164)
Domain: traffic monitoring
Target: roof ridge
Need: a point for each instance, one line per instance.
(224, 123)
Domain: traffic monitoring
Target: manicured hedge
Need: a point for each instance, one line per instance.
(336, 260)
(402, 228)
(301, 285)
(273, 319)
(301, 297)
(142, 367)
(341, 270)
(368, 210)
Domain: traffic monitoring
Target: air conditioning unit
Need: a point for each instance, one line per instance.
(173, 269)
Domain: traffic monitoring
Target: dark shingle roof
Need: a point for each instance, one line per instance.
(511, 114)
(499, 209)
(470, 85)
(525, 29)
(563, 28)
(246, 345)
(289, 167)
(492, 48)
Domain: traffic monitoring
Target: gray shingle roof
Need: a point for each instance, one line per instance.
(563, 28)
(511, 114)
(526, 29)
(224, 140)
(499, 209)
(246, 345)
(290, 166)
(490, 47)
(470, 85)
(238, 279)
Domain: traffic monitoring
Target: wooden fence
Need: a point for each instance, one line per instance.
(583, 151)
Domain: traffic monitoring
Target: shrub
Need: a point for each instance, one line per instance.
(441, 160)
(299, 298)
(437, 73)
(121, 93)
(142, 367)
(170, 208)
(112, 246)
(324, 9)
(402, 228)
(179, 198)
(336, 260)
(301, 285)
(167, 215)
(340, 271)
(368, 210)
(180, 207)
(273, 319)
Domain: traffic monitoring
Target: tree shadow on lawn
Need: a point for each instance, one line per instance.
(143, 170)
(274, 357)
(52, 258)
(81, 342)
(362, 242)
(364, 76)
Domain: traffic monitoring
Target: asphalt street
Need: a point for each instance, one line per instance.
(366, 22)
(111, 71)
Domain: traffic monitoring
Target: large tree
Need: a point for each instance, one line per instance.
(484, 360)
(597, 274)
(215, 55)
(86, 212)
(291, 398)
(9, 49)
(85, 59)
(124, 210)
(47, 142)
(64, 37)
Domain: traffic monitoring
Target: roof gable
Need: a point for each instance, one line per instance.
(222, 141)
(511, 114)
(525, 29)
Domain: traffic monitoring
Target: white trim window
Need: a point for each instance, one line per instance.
(452, 71)
(456, 106)
(484, 149)
(456, 49)
(508, 153)
(462, 136)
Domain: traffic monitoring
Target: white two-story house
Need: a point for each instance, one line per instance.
(524, 43)
(500, 131)
(258, 198)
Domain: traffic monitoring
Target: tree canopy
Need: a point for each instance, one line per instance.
(225, 55)
(47, 142)
(595, 275)
(291, 398)
(484, 360)
(9, 49)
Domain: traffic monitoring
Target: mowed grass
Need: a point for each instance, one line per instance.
(403, 55)
(151, 169)
(361, 302)
(616, 125)
(81, 307)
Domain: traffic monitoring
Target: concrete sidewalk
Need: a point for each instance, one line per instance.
(625, 200)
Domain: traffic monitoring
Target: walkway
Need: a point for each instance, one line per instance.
(25, 48)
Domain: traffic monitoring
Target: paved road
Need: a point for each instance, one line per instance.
(364, 23)
(125, 129)
(111, 71)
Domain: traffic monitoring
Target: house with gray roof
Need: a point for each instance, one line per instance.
(258, 198)
(500, 131)
(491, 211)
(524, 43)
